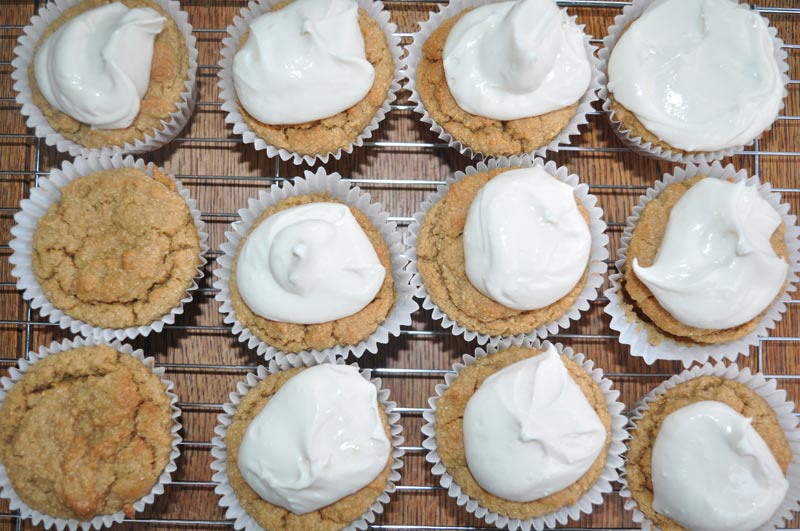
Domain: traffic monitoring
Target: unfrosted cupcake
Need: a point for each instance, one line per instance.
(308, 448)
(692, 79)
(109, 76)
(526, 407)
(492, 82)
(704, 267)
(708, 451)
(309, 78)
(509, 250)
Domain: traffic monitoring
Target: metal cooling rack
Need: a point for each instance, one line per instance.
(28, 323)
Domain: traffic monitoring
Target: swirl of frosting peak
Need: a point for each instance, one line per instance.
(715, 268)
(526, 244)
(96, 66)
(308, 264)
(529, 430)
(304, 62)
(513, 60)
(317, 440)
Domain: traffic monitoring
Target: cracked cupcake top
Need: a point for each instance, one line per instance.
(118, 249)
(85, 432)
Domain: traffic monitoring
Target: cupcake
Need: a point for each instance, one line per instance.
(512, 248)
(492, 83)
(704, 267)
(88, 434)
(692, 80)
(525, 407)
(314, 269)
(108, 247)
(307, 448)
(712, 450)
(129, 88)
(306, 79)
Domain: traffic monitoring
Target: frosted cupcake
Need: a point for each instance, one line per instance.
(509, 251)
(309, 78)
(692, 79)
(118, 76)
(490, 81)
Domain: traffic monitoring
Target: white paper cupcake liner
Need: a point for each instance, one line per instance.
(597, 257)
(240, 26)
(414, 56)
(98, 522)
(332, 184)
(766, 389)
(230, 502)
(587, 502)
(24, 54)
(41, 199)
(631, 329)
(621, 21)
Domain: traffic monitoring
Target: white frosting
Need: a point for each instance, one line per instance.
(511, 60)
(318, 439)
(96, 66)
(526, 244)
(712, 471)
(699, 74)
(308, 264)
(529, 431)
(303, 62)
(716, 268)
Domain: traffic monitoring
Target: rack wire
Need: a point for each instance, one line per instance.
(401, 165)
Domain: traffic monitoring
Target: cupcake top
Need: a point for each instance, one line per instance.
(318, 439)
(712, 471)
(312, 273)
(708, 454)
(118, 249)
(701, 75)
(303, 62)
(308, 264)
(309, 448)
(715, 267)
(530, 415)
(526, 243)
(85, 432)
(95, 68)
(511, 60)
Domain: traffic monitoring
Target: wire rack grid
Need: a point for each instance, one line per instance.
(399, 167)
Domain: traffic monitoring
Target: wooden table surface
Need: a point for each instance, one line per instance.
(400, 166)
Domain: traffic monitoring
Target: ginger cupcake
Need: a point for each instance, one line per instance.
(307, 79)
(692, 80)
(567, 425)
(347, 470)
(490, 83)
(712, 449)
(509, 248)
(314, 269)
(706, 264)
(88, 95)
(109, 247)
(88, 434)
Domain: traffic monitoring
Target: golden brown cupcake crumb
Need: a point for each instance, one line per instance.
(640, 303)
(450, 435)
(331, 518)
(487, 136)
(734, 394)
(351, 330)
(85, 432)
(168, 73)
(328, 135)
(118, 249)
(440, 261)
